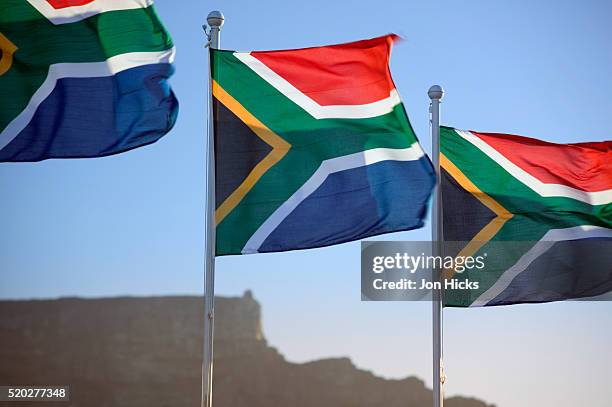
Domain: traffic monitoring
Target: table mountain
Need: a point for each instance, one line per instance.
(148, 352)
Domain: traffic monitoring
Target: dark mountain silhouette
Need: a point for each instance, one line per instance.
(148, 352)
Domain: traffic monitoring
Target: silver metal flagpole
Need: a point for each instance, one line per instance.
(215, 20)
(435, 95)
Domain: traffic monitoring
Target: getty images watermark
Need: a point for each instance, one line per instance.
(404, 271)
(487, 272)
(412, 264)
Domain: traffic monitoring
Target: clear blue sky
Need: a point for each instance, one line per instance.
(133, 223)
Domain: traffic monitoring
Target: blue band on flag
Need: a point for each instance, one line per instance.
(570, 269)
(94, 117)
(388, 196)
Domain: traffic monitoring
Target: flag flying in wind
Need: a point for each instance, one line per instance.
(313, 147)
(82, 78)
(553, 200)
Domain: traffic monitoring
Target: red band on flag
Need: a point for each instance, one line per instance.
(58, 4)
(584, 166)
(355, 73)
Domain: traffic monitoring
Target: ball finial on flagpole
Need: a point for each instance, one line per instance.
(436, 92)
(215, 19)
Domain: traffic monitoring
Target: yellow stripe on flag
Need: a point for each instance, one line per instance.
(280, 147)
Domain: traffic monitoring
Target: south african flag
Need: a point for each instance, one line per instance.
(541, 211)
(82, 78)
(313, 147)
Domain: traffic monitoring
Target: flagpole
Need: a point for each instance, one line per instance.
(435, 95)
(215, 20)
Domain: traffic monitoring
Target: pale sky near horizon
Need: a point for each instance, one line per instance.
(132, 224)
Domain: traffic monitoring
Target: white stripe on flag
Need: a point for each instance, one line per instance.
(328, 167)
(547, 241)
(109, 67)
(539, 187)
(374, 109)
(77, 13)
